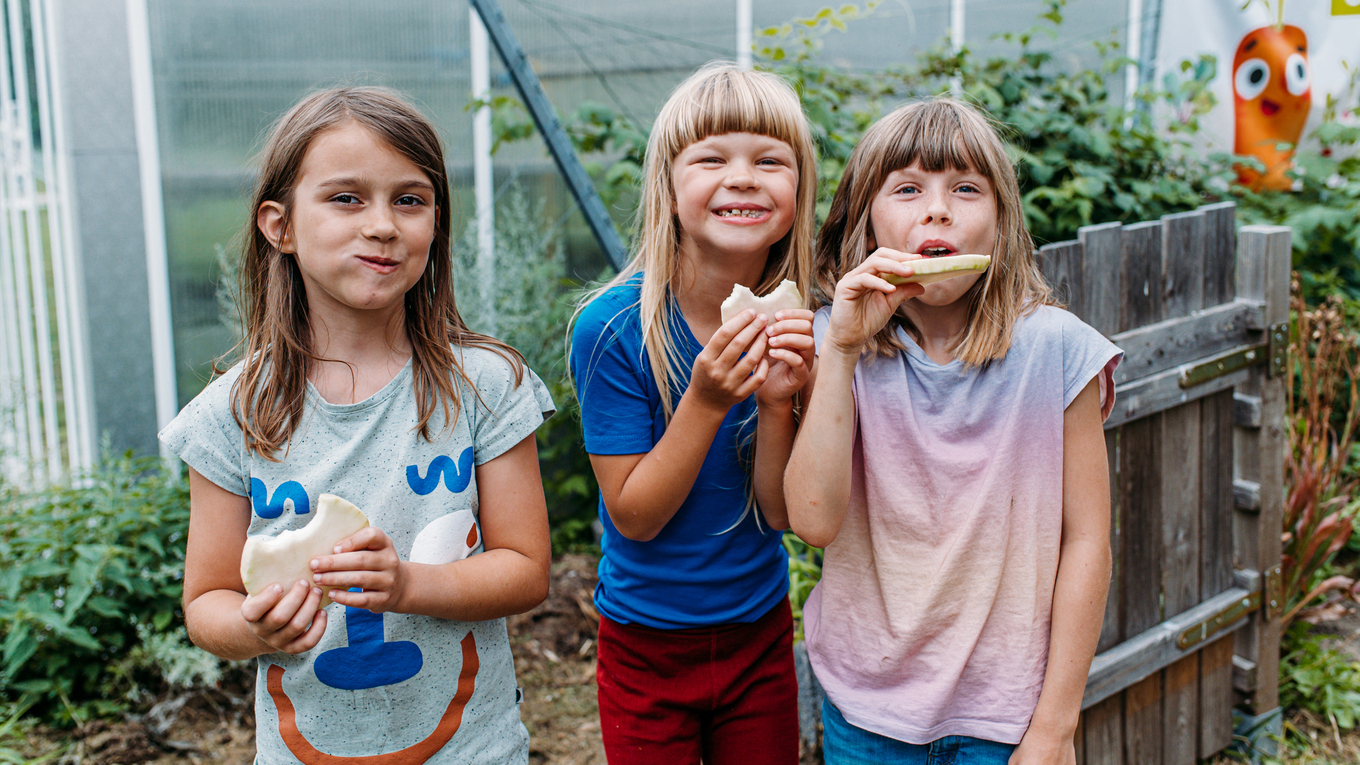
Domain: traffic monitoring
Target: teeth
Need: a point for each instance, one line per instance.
(740, 213)
(935, 251)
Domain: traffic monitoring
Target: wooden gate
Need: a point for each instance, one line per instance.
(1196, 445)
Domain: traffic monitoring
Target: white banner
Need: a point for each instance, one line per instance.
(1273, 81)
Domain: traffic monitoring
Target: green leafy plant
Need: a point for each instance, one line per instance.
(1323, 413)
(86, 569)
(1319, 679)
(805, 571)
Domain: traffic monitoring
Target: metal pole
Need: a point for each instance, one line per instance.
(1134, 47)
(37, 262)
(550, 127)
(744, 34)
(153, 214)
(957, 11)
(482, 170)
(79, 360)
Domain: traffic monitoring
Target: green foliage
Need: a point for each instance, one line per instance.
(1318, 679)
(526, 302)
(87, 570)
(805, 571)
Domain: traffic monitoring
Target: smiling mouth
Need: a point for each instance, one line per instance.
(740, 213)
(1269, 107)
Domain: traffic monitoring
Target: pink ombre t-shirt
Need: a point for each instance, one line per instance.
(932, 615)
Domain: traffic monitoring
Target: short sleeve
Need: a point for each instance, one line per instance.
(206, 436)
(820, 321)
(505, 412)
(612, 382)
(1088, 354)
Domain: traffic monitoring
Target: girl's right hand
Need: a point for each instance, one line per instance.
(733, 364)
(865, 301)
(281, 619)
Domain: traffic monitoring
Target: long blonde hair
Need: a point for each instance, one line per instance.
(276, 349)
(940, 133)
(718, 98)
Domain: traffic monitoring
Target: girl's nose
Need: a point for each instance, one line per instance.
(937, 210)
(740, 175)
(379, 225)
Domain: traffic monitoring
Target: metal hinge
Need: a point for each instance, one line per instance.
(1227, 363)
(1278, 342)
(1274, 593)
(1208, 627)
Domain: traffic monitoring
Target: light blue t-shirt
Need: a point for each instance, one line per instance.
(380, 684)
(700, 570)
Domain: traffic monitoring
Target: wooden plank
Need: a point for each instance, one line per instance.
(1180, 712)
(1102, 249)
(1183, 340)
(1063, 265)
(1110, 630)
(1182, 263)
(1140, 263)
(1180, 507)
(1149, 652)
(1246, 495)
(1263, 259)
(1246, 410)
(1146, 397)
(1220, 252)
(1215, 697)
(1143, 722)
(1103, 732)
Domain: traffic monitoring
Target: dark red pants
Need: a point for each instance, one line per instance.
(725, 694)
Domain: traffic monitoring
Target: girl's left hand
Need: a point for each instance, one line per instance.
(367, 560)
(790, 353)
(1037, 748)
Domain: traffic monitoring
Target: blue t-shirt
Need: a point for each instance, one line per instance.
(695, 572)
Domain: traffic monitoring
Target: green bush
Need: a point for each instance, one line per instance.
(90, 572)
(1319, 679)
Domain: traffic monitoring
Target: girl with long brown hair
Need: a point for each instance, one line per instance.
(689, 420)
(951, 463)
(358, 378)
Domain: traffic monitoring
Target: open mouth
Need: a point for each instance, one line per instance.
(741, 213)
(1269, 107)
(936, 249)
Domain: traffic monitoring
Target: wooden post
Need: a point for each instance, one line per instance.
(1263, 260)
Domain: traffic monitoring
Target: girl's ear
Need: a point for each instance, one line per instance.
(270, 220)
(870, 243)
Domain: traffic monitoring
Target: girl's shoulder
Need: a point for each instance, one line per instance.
(611, 310)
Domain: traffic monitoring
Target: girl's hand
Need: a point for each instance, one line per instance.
(367, 560)
(865, 301)
(722, 375)
(791, 352)
(1044, 748)
(281, 619)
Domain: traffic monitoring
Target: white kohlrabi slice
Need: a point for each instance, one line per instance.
(938, 269)
(785, 297)
(286, 558)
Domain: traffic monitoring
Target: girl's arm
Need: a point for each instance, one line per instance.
(642, 492)
(509, 577)
(220, 618)
(817, 480)
(1082, 584)
(791, 351)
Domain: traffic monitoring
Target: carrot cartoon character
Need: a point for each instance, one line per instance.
(1271, 97)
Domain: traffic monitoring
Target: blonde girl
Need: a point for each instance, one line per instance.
(360, 379)
(952, 463)
(689, 421)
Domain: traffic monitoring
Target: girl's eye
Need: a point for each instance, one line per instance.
(907, 189)
(345, 199)
(969, 188)
(410, 200)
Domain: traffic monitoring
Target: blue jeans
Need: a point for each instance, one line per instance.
(845, 744)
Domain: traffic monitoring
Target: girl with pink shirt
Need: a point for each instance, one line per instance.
(951, 462)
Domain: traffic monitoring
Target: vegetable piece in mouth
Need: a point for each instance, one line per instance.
(286, 558)
(929, 270)
(785, 297)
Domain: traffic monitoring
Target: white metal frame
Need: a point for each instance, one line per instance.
(35, 239)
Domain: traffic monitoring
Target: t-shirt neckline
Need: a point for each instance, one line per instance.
(383, 393)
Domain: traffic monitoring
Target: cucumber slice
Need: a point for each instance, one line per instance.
(286, 558)
(930, 270)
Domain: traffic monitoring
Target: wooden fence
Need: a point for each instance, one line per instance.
(1196, 445)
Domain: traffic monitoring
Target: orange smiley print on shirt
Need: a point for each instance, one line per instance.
(1272, 94)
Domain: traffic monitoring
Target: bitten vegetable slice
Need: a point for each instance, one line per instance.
(784, 297)
(930, 270)
(286, 558)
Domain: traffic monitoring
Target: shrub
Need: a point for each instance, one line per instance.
(90, 572)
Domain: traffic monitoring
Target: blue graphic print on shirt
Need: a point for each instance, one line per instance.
(272, 507)
(369, 661)
(456, 477)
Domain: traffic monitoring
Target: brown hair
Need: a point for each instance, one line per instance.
(268, 395)
(940, 133)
